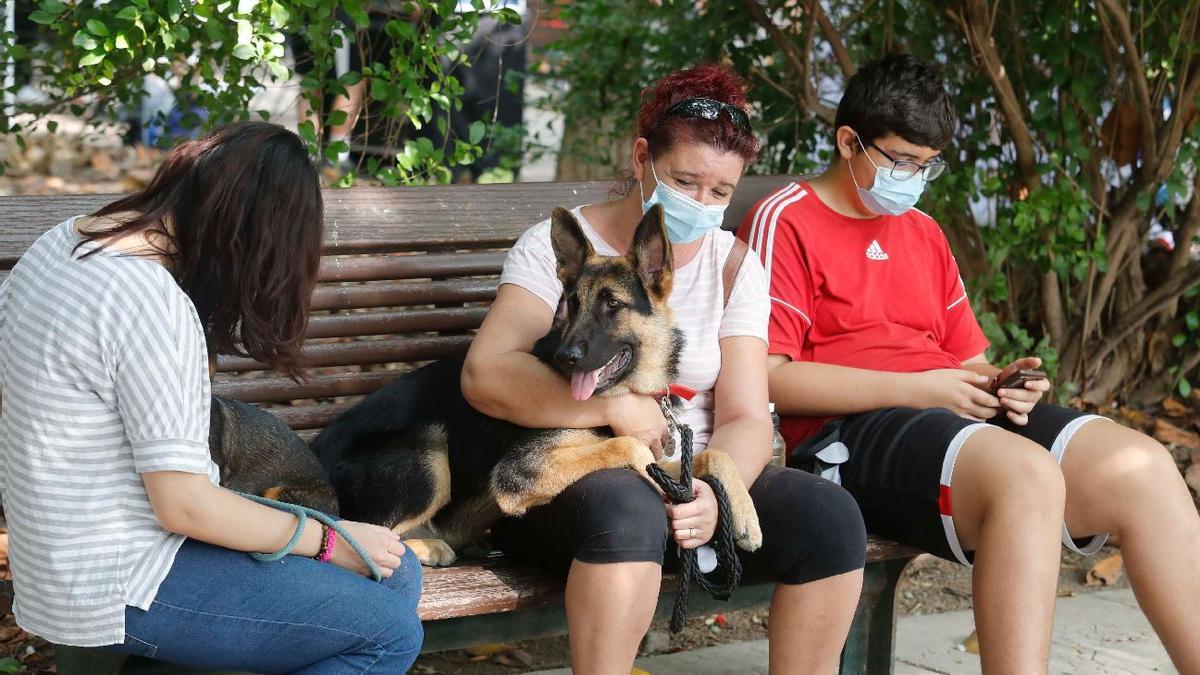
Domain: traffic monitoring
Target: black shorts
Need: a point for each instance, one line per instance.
(811, 528)
(898, 464)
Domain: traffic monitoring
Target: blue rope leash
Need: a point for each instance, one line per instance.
(303, 514)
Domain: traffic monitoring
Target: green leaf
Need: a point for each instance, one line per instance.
(129, 13)
(174, 10)
(53, 6)
(97, 27)
(279, 14)
(279, 71)
(10, 665)
(43, 18)
(52, 126)
(307, 132)
(91, 59)
(1185, 387)
(509, 15)
(244, 52)
(476, 133)
(1179, 339)
(1192, 319)
(84, 40)
(120, 42)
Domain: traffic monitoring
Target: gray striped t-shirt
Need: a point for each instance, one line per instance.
(103, 377)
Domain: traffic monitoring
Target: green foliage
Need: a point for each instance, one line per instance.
(219, 53)
(1034, 216)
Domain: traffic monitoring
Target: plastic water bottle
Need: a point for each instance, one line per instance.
(778, 445)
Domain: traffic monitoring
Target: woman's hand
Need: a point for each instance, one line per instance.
(1019, 402)
(640, 417)
(383, 545)
(694, 523)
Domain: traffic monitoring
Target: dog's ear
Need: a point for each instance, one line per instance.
(651, 254)
(571, 246)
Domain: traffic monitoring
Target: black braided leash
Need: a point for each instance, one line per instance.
(721, 581)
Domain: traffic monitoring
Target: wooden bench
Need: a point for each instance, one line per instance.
(406, 277)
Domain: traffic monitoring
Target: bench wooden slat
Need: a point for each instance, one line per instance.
(363, 220)
(496, 585)
(396, 322)
(403, 293)
(433, 265)
(367, 352)
(283, 389)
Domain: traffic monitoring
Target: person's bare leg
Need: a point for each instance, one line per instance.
(351, 104)
(809, 623)
(609, 609)
(1007, 499)
(1125, 483)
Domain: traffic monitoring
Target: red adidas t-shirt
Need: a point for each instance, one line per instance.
(880, 294)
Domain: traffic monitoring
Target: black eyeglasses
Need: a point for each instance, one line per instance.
(708, 109)
(902, 169)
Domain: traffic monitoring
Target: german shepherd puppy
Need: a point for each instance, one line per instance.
(416, 457)
(260, 455)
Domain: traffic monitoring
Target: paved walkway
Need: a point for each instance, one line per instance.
(1101, 633)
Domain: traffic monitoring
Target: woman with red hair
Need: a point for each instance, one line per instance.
(611, 529)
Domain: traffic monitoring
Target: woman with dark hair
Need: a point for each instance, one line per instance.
(121, 536)
(611, 529)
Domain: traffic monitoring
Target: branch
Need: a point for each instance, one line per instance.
(984, 47)
(1182, 111)
(795, 60)
(1188, 228)
(1137, 75)
(834, 38)
(1149, 306)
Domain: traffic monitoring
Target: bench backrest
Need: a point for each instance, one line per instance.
(406, 276)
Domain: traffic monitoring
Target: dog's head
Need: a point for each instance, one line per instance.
(616, 332)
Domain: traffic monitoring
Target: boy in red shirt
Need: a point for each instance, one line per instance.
(878, 367)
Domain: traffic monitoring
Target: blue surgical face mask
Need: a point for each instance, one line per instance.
(687, 219)
(888, 196)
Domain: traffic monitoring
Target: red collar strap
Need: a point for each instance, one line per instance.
(685, 393)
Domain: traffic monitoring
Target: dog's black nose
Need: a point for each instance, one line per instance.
(569, 355)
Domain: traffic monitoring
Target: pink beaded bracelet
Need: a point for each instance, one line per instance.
(327, 544)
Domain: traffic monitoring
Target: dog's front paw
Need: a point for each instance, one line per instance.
(432, 552)
(747, 533)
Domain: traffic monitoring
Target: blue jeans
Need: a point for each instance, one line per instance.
(222, 609)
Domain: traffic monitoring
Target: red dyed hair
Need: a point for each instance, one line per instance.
(707, 80)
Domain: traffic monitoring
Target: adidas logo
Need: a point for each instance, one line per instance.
(875, 252)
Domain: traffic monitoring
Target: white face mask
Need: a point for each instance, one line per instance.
(687, 219)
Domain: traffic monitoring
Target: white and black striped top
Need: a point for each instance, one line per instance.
(103, 374)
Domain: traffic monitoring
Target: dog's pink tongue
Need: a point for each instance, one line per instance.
(584, 384)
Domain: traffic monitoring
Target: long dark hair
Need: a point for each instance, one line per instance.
(244, 203)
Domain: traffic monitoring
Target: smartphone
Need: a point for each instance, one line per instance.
(1016, 379)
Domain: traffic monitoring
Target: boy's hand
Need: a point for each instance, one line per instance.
(959, 390)
(1019, 402)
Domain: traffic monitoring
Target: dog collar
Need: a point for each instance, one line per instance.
(685, 393)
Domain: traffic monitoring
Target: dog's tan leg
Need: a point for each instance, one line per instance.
(432, 552)
(574, 456)
(716, 463)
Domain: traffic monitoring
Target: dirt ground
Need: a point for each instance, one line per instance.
(929, 585)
